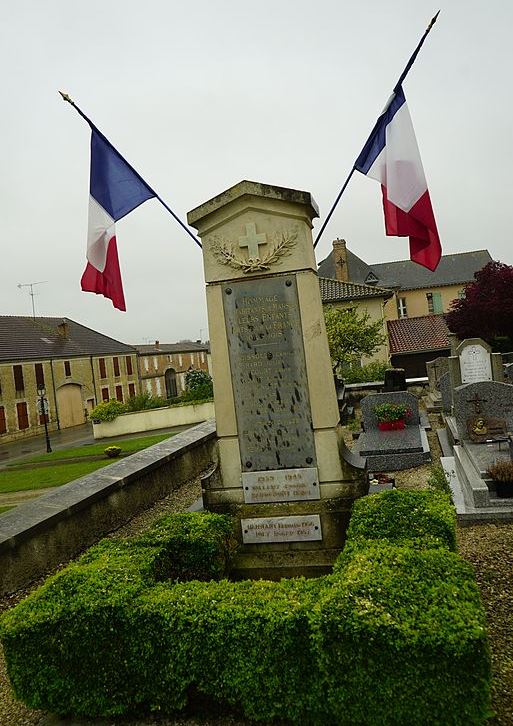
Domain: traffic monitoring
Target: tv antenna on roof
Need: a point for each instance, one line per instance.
(32, 293)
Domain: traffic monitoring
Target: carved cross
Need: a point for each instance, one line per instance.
(252, 240)
(435, 367)
(477, 401)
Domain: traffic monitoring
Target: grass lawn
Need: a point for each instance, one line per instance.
(15, 478)
(5, 509)
(128, 446)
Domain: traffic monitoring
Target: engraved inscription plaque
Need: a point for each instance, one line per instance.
(263, 530)
(269, 374)
(280, 485)
(475, 364)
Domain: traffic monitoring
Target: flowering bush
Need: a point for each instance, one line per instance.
(392, 412)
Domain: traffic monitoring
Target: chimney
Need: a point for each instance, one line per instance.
(63, 329)
(157, 344)
(340, 260)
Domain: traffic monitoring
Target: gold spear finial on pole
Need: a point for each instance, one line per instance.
(433, 21)
(66, 97)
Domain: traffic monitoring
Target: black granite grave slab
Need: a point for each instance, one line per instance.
(391, 442)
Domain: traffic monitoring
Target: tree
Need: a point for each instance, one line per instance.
(198, 386)
(486, 311)
(351, 336)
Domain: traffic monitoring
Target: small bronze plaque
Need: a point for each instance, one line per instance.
(263, 530)
(483, 428)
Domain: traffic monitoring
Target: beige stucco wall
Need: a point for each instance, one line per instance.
(156, 418)
(85, 372)
(416, 301)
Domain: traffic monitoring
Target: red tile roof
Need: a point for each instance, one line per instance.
(414, 335)
(335, 290)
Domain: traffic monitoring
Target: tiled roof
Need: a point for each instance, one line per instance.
(455, 269)
(335, 290)
(357, 269)
(413, 335)
(186, 346)
(26, 338)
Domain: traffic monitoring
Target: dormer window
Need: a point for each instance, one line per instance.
(371, 279)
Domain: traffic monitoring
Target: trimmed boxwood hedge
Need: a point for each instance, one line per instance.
(394, 636)
(422, 519)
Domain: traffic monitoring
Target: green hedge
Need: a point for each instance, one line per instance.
(422, 519)
(394, 636)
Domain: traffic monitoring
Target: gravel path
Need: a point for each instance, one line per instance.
(488, 547)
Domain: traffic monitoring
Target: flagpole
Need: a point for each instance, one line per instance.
(396, 87)
(67, 98)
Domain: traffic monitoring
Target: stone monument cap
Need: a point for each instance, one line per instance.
(248, 189)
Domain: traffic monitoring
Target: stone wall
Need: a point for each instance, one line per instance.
(153, 419)
(43, 533)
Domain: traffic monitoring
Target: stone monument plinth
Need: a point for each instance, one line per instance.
(284, 472)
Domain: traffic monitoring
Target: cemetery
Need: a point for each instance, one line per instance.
(287, 593)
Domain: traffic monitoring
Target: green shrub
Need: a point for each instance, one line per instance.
(144, 401)
(401, 640)
(395, 636)
(422, 519)
(112, 451)
(192, 546)
(198, 386)
(370, 372)
(437, 479)
(108, 410)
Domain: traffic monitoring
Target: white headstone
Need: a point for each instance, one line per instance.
(475, 364)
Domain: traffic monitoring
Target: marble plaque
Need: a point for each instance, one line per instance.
(280, 485)
(268, 371)
(475, 364)
(265, 530)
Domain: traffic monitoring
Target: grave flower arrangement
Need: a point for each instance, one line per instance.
(392, 415)
(502, 474)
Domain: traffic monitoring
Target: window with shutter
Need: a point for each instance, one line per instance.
(19, 384)
(40, 376)
(23, 422)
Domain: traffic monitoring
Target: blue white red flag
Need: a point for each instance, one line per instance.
(391, 156)
(115, 190)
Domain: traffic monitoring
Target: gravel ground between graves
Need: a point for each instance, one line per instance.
(489, 547)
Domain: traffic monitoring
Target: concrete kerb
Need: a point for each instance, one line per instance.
(40, 534)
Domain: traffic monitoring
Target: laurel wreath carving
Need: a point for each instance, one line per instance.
(224, 251)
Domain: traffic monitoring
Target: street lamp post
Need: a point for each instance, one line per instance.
(43, 408)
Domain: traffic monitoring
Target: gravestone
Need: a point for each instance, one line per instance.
(483, 414)
(444, 386)
(392, 450)
(281, 473)
(483, 410)
(395, 380)
(435, 370)
(475, 362)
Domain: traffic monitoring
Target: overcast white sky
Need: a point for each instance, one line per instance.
(200, 95)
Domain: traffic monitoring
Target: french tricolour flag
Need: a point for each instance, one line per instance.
(115, 190)
(391, 156)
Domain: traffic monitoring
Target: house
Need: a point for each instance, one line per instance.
(77, 367)
(415, 341)
(417, 290)
(367, 298)
(162, 366)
